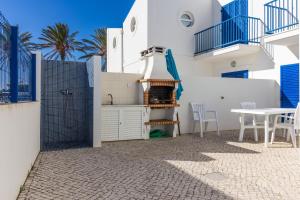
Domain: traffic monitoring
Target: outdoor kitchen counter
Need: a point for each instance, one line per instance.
(122, 105)
(124, 122)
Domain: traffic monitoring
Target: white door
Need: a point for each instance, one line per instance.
(110, 125)
(131, 127)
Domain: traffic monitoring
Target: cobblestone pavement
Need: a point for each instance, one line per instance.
(187, 167)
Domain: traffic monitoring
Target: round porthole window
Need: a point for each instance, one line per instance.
(114, 42)
(133, 25)
(187, 19)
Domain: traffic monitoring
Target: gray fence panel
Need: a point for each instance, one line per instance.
(66, 106)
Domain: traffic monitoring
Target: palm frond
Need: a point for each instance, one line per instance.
(96, 45)
(25, 39)
(59, 42)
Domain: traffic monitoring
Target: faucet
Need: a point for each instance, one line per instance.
(111, 99)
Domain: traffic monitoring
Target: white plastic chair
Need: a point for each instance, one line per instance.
(200, 117)
(250, 121)
(286, 119)
(292, 125)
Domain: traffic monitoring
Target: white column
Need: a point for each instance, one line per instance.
(94, 69)
(38, 74)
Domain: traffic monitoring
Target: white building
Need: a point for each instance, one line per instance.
(211, 39)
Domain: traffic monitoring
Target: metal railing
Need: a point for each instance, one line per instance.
(269, 49)
(24, 74)
(4, 60)
(17, 66)
(237, 30)
(281, 15)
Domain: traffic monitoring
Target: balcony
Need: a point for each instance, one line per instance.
(281, 15)
(238, 36)
(282, 22)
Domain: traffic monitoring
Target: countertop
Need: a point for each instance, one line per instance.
(122, 105)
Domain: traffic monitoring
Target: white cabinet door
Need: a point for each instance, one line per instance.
(110, 125)
(131, 127)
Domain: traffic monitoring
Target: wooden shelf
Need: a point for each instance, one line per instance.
(163, 106)
(161, 122)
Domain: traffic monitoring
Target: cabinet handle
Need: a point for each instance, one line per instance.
(120, 123)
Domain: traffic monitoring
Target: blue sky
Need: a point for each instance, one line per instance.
(81, 15)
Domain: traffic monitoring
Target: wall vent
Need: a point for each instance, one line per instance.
(152, 50)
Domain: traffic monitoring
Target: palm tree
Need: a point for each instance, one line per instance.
(25, 39)
(96, 46)
(60, 42)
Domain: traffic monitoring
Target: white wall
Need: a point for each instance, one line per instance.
(124, 88)
(223, 2)
(165, 28)
(216, 11)
(259, 63)
(114, 55)
(256, 8)
(295, 49)
(282, 56)
(253, 62)
(137, 41)
(210, 90)
(265, 93)
(151, 31)
(156, 27)
(19, 141)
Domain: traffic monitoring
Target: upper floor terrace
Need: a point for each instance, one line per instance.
(236, 35)
(282, 23)
(281, 15)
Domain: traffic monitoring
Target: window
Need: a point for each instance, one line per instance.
(187, 19)
(237, 74)
(114, 42)
(133, 25)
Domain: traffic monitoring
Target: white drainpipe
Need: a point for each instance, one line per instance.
(122, 50)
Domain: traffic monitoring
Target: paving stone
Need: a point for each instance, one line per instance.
(188, 167)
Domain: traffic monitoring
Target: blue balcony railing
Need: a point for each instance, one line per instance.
(237, 30)
(281, 15)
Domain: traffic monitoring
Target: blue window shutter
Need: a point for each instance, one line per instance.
(239, 32)
(238, 74)
(289, 84)
(233, 9)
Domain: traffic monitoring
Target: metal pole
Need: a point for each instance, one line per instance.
(14, 64)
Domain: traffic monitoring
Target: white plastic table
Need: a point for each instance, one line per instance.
(267, 112)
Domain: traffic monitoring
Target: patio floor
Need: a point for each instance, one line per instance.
(187, 167)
